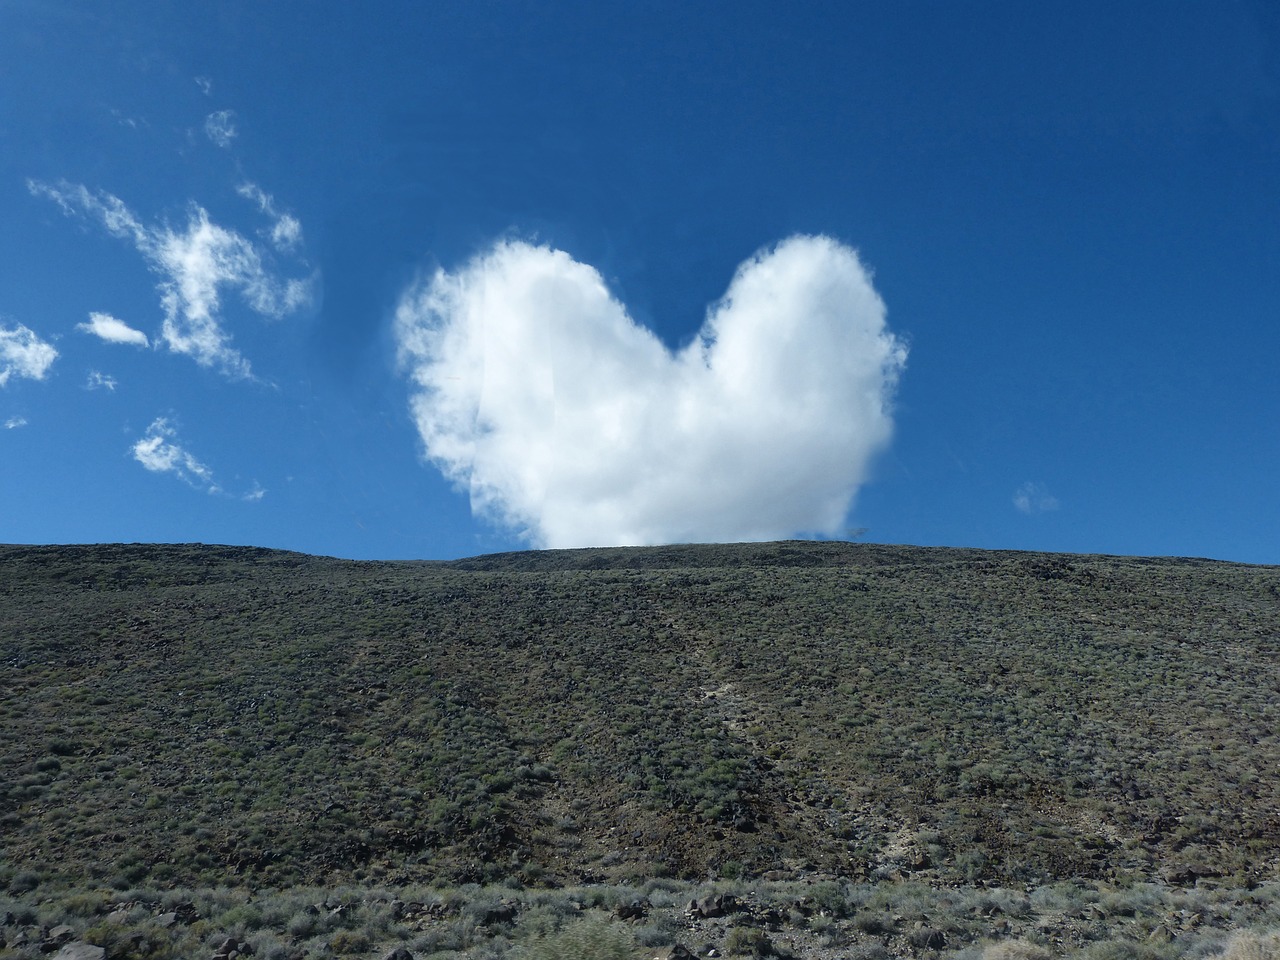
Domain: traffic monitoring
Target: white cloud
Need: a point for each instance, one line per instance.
(113, 330)
(23, 354)
(570, 424)
(13, 423)
(195, 262)
(159, 452)
(205, 85)
(286, 231)
(102, 381)
(220, 127)
(1034, 498)
(255, 494)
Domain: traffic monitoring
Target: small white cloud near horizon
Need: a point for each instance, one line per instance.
(159, 452)
(1031, 498)
(220, 127)
(195, 263)
(13, 423)
(24, 354)
(571, 425)
(113, 330)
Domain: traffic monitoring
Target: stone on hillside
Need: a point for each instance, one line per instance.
(504, 912)
(233, 949)
(635, 910)
(79, 950)
(710, 907)
(399, 953)
(925, 937)
(676, 952)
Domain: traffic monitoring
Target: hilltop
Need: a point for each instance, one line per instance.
(196, 715)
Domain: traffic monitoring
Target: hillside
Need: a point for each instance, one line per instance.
(194, 715)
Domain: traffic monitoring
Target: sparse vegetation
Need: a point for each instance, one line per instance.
(1076, 753)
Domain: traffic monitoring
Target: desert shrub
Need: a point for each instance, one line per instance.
(349, 941)
(596, 939)
(24, 881)
(748, 941)
(658, 932)
(830, 898)
(1014, 950)
(305, 923)
(1249, 945)
(1120, 950)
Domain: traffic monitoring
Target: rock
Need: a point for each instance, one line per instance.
(676, 952)
(504, 912)
(78, 950)
(1186, 874)
(710, 907)
(635, 910)
(233, 949)
(60, 934)
(399, 953)
(930, 938)
(166, 919)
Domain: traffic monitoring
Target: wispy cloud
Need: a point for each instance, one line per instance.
(160, 452)
(100, 381)
(13, 423)
(113, 330)
(220, 127)
(1034, 498)
(568, 423)
(195, 263)
(205, 85)
(23, 354)
(286, 231)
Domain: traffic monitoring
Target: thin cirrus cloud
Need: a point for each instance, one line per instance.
(195, 263)
(24, 354)
(571, 425)
(113, 330)
(100, 381)
(1031, 498)
(286, 232)
(159, 451)
(220, 127)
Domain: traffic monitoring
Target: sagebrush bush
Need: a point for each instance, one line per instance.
(748, 941)
(586, 939)
(1250, 945)
(1015, 950)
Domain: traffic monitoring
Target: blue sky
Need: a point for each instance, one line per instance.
(430, 280)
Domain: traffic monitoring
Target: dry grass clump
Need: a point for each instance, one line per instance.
(1015, 950)
(1251, 945)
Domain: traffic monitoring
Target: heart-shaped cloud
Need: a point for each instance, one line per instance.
(574, 426)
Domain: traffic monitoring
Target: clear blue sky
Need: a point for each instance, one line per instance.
(398, 280)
